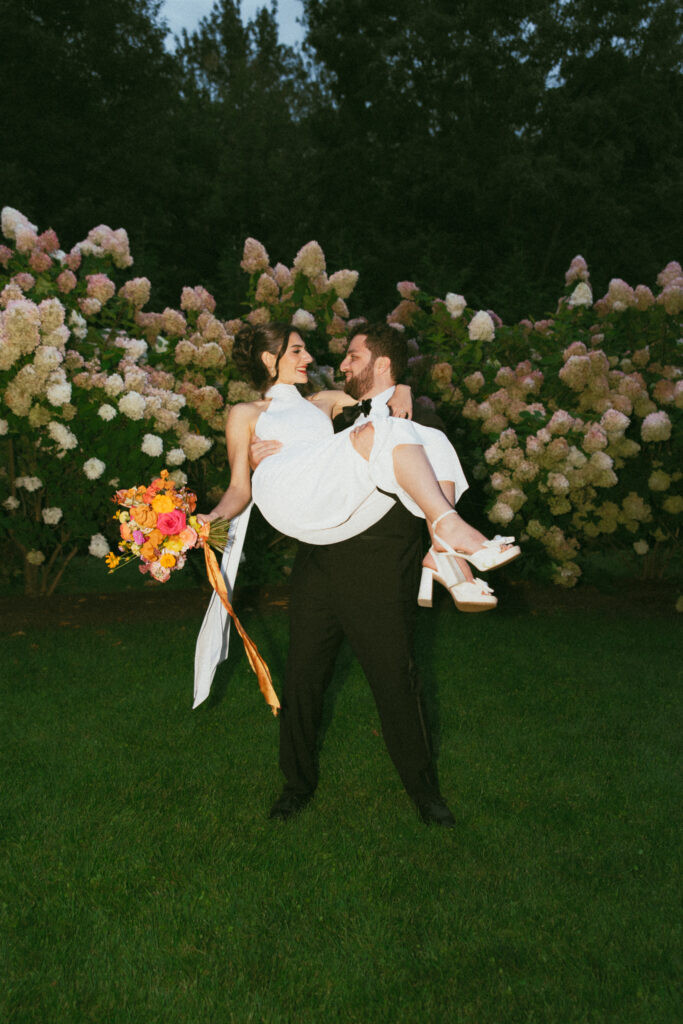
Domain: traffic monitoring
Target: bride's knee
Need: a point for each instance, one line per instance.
(362, 439)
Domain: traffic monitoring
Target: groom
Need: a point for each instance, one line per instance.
(363, 589)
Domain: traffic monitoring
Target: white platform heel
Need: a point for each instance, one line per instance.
(468, 595)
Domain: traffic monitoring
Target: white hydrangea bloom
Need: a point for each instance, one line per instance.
(58, 394)
(581, 296)
(303, 320)
(195, 445)
(310, 260)
(107, 412)
(132, 405)
(35, 557)
(455, 304)
(343, 282)
(152, 445)
(12, 220)
(51, 516)
(47, 358)
(175, 457)
(113, 385)
(94, 468)
(656, 427)
(99, 546)
(78, 323)
(641, 547)
(60, 433)
(178, 477)
(29, 483)
(11, 503)
(4, 427)
(481, 327)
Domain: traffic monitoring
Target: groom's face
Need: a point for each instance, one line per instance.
(358, 367)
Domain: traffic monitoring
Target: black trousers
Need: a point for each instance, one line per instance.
(364, 589)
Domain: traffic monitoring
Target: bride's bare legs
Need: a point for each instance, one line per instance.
(415, 475)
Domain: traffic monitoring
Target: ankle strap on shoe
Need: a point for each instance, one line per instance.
(449, 512)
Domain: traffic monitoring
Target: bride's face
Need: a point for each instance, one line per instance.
(292, 366)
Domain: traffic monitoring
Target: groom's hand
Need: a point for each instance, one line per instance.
(260, 450)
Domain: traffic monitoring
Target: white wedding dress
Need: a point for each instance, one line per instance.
(317, 487)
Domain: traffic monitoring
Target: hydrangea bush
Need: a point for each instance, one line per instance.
(97, 393)
(571, 422)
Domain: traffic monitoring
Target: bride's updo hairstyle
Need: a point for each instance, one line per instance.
(251, 341)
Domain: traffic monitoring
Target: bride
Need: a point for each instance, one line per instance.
(316, 485)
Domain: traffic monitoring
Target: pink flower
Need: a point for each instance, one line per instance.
(66, 281)
(48, 241)
(138, 537)
(39, 261)
(73, 260)
(406, 289)
(5, 255)
(578, 270)
(670, 273)
(254, 257)
(136, 291)
(403, 313)
(100, 287)
(173, 522)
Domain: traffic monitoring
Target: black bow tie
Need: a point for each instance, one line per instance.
(352, 412)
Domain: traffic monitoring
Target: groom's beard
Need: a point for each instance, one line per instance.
(358, 386)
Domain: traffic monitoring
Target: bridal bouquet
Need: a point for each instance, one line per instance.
(158, 527)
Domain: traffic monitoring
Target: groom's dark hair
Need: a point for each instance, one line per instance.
(383, 340)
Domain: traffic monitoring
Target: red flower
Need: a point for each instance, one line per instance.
(170, 523)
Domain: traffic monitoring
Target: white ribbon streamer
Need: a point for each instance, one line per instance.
(214, 634)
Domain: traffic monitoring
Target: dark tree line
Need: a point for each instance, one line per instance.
(469, 145)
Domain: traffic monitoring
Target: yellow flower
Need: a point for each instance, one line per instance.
(173, 544)
(112, 560)
(163, 503)
(167, 561)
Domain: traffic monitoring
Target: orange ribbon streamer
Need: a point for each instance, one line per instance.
(259, 666)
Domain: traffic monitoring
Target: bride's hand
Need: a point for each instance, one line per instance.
(207, 517)
(401, 402)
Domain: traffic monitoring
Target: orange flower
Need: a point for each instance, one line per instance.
(148, 551)
(155, 537)
(168, 561)
(126, 532)
(143, 515)
(163, 503)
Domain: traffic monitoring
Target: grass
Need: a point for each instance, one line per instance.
(142, 881)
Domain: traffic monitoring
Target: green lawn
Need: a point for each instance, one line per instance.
(141, 881)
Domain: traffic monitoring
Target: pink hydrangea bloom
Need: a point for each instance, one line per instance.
(403, 313)
(671, 271)
(39, 261)
(100, 287)
(66, 281)
(254, 257)
(578, 271)
(406, 289)
(136, 291)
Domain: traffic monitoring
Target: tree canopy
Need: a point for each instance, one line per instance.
(470, 145)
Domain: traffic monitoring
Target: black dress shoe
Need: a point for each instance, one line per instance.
(435, 812)
(288, 804)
